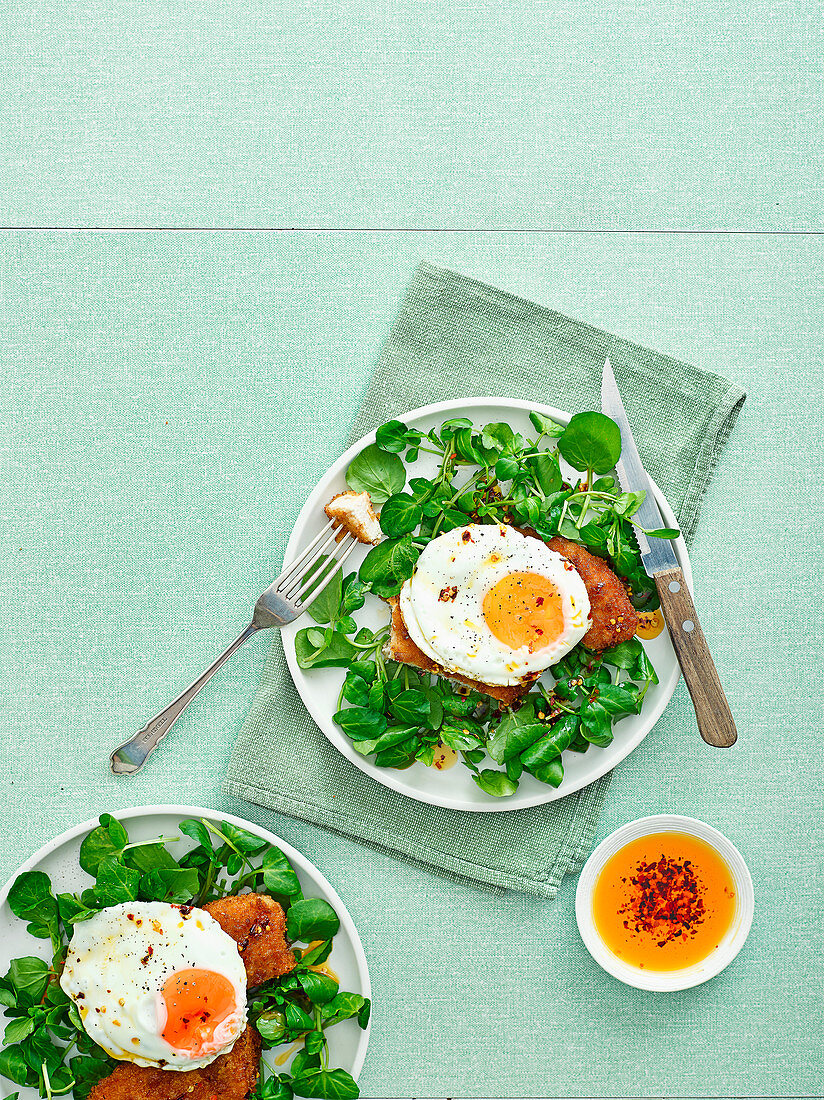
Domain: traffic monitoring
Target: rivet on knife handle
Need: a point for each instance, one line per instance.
(715, 721)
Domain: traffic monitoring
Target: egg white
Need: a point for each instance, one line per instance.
(117, 964)
(451, 629)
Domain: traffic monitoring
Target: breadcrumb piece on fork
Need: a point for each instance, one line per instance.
(355, 513)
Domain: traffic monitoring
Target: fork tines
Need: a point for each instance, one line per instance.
(312, 571)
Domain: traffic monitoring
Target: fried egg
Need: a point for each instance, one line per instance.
(157, 985)
(494, 605)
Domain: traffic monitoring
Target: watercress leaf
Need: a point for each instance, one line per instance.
(624, 655)
(452, 518)
(242, 839)
(506, 468)
(495, 783)
(311, 919)
(343, 1006)
(604, 484)
(14, 1066)
(278, 875)
(30, 892)
(376, 472)
(302, 1062)
(392, 436)
(353, 594)
(596, 724)
(316, 955)
(455, 424)
(319, 988)
(337, 651)
(325, 608)
(398, 756)
(400, 515)
(272, 1026)
(367, 670)
(559, 738)
(390, 562)
(460, 735)
(546, 471)
(108, 839)
(296, 1018)
(394, 735)
(464, 445)
(512, 736)
(355, 690)
(619, 698)
(552, 772)
(361, 723)
(175, 885)
(28, 978)
(514, 769)
(327, 1084)
(545, 425)
(664, 533)
(593, 536)
(627, 504)
(116, 883)
(435, 717)
(411, 708)
(474, 756)
(18, 1030)
(89, 1070)
(149, 857)
(591, 441)
(376, 699)
(499, 438)
(197, 831)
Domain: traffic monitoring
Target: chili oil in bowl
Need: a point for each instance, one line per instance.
(664, 903)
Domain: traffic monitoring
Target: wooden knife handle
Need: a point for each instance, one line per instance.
(715, 721)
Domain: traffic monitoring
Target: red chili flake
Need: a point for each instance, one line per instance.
(147, 956)
(449, 593)
(666, 900)
(467, 536)
(539, 601)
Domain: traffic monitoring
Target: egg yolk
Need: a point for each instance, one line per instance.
(197, 1002)
(524, 609)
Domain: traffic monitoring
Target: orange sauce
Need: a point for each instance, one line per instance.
(664, 902)
(650, 624)
(444, 757)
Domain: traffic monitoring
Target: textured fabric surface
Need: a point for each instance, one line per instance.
(704, 114)
(167, 403)
(454, 338)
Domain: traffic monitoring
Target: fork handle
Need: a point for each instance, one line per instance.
(712, 712)
(131, 756)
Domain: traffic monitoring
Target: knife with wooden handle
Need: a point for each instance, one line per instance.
(712, 712)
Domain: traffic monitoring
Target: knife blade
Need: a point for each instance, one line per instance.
(712, 712)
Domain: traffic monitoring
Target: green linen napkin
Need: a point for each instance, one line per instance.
(454, 338)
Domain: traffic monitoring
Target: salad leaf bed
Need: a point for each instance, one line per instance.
(45, 1045)
(398, 715)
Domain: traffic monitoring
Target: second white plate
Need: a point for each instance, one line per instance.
(455, 788)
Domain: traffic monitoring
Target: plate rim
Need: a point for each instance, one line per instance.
(389, 781)
(292, 854)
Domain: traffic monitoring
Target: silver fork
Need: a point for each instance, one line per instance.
(283, 601)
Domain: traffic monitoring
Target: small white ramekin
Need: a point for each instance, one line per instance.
(716, 961)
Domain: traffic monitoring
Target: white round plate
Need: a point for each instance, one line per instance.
(671, 980)
(59, 860)
(455, 788)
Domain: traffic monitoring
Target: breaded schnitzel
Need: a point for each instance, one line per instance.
(232, 1076)
(614, 618)
(258, 925)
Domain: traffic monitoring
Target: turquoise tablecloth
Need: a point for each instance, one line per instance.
(168, 401)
